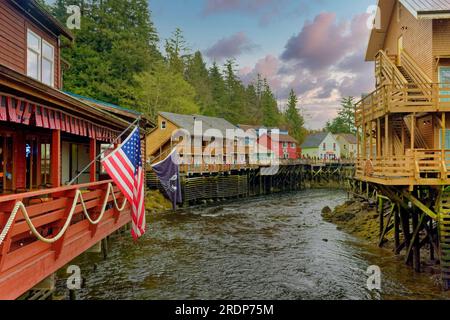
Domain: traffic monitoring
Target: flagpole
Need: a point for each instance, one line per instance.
(103, 152)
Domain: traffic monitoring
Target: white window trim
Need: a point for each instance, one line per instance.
(41, 58)
(52, 61)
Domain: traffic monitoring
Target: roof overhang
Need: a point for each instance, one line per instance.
(384, 15)
(41, 16)
(44, 94)
(381, 24)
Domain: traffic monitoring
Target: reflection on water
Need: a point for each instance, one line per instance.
(273, 248)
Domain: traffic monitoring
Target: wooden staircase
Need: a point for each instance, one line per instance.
(406, 75)
(444, 235)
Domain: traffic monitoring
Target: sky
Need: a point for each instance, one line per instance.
(314, 47)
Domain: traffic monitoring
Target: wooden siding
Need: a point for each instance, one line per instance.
(159, 136)
(441, 44)
(417, 37)
(425, 127)
(13, 40)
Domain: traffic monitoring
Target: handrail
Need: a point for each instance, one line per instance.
(33, 194)
(388, 70)
(419, 76)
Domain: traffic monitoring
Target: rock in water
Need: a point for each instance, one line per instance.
(327, 210)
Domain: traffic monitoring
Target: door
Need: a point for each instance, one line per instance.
(400, 50)
(444, 80)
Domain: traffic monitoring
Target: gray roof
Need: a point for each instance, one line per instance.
(427, 7)
(314, 140)
(350, 138)
(187, 122)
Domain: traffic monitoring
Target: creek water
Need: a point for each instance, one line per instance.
(276, 247)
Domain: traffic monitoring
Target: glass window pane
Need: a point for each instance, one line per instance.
(33, 42)
(47, 51)
(47, 72)
(33, 65)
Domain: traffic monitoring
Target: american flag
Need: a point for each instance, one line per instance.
(124, 166)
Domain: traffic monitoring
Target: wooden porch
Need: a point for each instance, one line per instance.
(69, 219)
(417, 167)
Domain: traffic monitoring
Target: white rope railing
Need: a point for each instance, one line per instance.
(78, 198)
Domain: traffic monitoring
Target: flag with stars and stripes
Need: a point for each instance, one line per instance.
(124, 166)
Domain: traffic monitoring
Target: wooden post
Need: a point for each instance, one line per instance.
(55, 160)
(386, 136)
(416, 244)
(443, 144)
(92, 156)
(378, 138)
(413, 130)
(396, 230)
(371, 152)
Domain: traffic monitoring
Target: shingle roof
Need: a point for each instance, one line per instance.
(426, 7)
(287, 138)
(314, 140)
(350, 138)
(187, 122)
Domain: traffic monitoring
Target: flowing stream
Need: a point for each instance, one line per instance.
(276, 247)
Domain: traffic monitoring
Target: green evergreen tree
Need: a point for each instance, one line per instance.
(345, 121)
(271, 113)
(117, 41)
(177, 52)
(217, 91)
(197, 75)
(294, 119)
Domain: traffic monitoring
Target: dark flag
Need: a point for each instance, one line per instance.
(168, 173)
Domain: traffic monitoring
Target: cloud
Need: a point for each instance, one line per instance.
(324, 42)
(230, 47)
(323, 62)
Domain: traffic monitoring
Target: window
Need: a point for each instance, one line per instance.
(45, 163)
(285, 144)
(40, 59)
(324, 147)
(334, 146)
(163, 125)
(292, 145)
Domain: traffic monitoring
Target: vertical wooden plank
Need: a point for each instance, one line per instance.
(19, 161)
(386, 136)
(378, 138)
(92, 156)
(413, 130)
(55, 160)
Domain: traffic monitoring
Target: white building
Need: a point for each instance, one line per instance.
(321, 145)
(348, 144)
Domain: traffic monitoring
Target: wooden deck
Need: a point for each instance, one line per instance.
(24, 260)
(419, 167)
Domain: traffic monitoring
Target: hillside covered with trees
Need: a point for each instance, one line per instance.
(116, 58)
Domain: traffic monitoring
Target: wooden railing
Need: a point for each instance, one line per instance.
(386, 167)
(427, 97)
(25, 260)
(419, 166)
(413, 70)
(386, 71)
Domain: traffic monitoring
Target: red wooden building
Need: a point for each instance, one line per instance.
(46, 138)
(288, 148)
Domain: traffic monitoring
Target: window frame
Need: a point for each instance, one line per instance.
(41, 58)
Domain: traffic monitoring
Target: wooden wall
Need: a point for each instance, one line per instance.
(159, 137)
(417, 37)
(13, 39)
(441, 44)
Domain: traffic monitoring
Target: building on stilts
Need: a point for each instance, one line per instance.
(404, 128)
